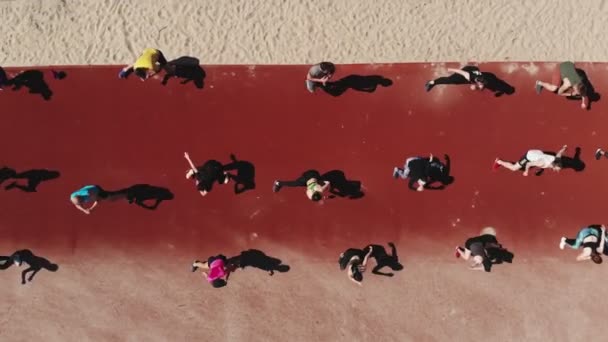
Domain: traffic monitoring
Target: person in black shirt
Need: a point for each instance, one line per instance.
(484, 251)
(467, 75)
(204, 176)
(424, 172)
(355, 262)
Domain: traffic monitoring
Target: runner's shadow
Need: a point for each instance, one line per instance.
(33, 178)
(574, 163)
(36, 263)
(258, 259)
(439, 172)
(366, 84)
(497, 85)
(34, 81)
(188, 69)
(383, 259)
(142, 193)
(342, 187)
(245, 174)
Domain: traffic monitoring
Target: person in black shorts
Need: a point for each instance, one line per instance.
(422, 172)
(484, 251)
(310, 179)
(204, 176)
(467, 75)
(355, 261)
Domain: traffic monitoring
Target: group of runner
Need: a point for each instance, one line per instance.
(423, 172)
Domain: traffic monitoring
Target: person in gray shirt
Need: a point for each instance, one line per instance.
(319, 74)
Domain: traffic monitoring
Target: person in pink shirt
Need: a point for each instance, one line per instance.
(215, 269)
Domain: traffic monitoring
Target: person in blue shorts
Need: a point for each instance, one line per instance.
(593, 240)
(86, 195)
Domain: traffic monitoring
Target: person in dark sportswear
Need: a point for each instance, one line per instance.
(483, 251)
(593, 240)
(355, 262)
(204, 176)
(424, 171)
(467, 75)
(311, 180)
(566, 82)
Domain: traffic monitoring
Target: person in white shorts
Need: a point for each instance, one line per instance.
(534, 158)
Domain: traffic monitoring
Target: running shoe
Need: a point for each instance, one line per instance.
(495, 166)
(598, 154)
(194, 268)
(538, 87)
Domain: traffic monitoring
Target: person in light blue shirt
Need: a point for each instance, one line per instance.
(592, 238)
(87, 194)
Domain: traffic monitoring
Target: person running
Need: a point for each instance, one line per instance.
(204, 176)
(418, 170)
(216, 269)
(355, 262)
(476, 249)
(88, 194)
(310, 179)
(592, 238)
(319, 74)
(534, 158)
(467, 75)
(149, 63)
(566, 81)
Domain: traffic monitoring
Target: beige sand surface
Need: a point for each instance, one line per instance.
(111, 295)
(47, 32)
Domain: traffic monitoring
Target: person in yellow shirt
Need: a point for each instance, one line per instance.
(149, 63)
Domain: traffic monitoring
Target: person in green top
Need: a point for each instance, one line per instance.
(566, 82)
(310, 179)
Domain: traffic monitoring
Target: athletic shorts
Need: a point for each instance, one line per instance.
(477, 249)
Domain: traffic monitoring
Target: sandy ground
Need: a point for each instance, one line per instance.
(50, 32)
(94, 295)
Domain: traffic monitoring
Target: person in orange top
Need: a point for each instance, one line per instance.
(149, 63)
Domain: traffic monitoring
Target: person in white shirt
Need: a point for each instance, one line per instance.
(534, 158)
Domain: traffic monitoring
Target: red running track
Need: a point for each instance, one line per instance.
(98, 129)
